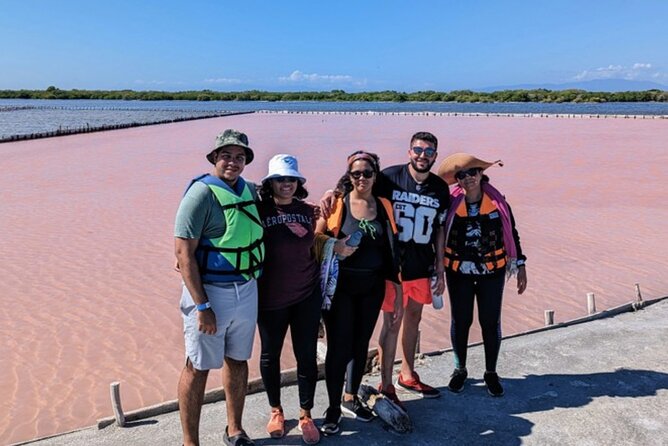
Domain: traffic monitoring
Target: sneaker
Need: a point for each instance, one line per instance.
(493, 384)
(276, 425)
(414, 385)
(310, 433)
(331, 424)
(457, 380)
(391, 394)
(356, 410)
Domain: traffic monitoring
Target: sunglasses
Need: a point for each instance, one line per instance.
(467, 173)
(361, 173)
(286, 179)
(428, 152)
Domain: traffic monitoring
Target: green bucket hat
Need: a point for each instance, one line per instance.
(231, 137)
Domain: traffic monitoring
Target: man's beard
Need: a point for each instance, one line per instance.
(420, 170)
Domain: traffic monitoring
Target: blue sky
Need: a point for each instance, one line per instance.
(319, 45)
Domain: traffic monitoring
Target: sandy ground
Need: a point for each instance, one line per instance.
(89, 296)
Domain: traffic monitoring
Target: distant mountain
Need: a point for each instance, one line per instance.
(610, 85)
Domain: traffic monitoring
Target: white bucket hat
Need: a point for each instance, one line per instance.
(283, 165)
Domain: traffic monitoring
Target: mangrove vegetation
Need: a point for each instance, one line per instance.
(539, 95)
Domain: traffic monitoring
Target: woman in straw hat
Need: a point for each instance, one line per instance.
(482, 248)
(289, 290)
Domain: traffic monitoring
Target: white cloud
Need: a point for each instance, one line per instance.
(223, 80)
(313, 78)
(637, 71)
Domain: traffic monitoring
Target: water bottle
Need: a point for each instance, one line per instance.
(436, 299)
(354, 240)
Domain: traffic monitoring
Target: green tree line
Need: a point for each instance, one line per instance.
(538, 95)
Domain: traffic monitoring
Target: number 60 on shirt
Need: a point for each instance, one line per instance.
(415, 222)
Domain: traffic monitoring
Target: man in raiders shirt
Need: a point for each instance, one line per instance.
(420, 200)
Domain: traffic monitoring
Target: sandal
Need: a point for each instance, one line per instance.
(241, 439)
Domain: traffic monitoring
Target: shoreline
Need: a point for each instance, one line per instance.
(289, 376)
(103, 128)
(468, 114)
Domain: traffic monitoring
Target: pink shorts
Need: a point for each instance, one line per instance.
(419, 290)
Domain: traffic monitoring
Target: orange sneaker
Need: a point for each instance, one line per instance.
(276, 425)
(414, 385)
(310, 433)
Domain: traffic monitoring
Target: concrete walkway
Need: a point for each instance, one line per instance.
(603, 382)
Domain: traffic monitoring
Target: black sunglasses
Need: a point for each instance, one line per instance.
(428, 152)
(467, 173)
(361, 173)
(286, 179)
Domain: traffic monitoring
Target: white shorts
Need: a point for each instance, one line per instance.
(235, 307)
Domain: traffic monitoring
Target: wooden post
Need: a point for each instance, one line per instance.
(591, 303)
(638, 294)
(549, 317)
(115, 391)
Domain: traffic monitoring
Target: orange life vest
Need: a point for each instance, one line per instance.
(493, 253)
(335, 220)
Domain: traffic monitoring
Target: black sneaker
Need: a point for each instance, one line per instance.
(493, 385)
(356, 410)
(457, 380)
(331, 424)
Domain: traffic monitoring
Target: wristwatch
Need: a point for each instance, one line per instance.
(205, 306)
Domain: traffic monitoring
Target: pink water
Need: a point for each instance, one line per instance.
(89, 295)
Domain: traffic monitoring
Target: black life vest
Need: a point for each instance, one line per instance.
(492, 252)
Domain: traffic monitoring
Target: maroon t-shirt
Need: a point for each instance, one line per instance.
(290, 272)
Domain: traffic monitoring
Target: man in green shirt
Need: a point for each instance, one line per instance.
(219, 250)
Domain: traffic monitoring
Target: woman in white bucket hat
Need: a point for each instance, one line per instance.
(289, 290)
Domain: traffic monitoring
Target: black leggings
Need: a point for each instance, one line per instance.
(487, 290)
(350, 322)
(303, 319)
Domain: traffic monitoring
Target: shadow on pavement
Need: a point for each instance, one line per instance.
(475, 417)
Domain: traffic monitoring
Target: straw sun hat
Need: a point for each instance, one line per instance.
(461, 161)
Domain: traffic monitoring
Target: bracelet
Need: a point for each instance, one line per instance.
(520, 263)
(204, 306)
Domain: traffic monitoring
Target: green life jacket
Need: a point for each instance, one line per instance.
(237, 255)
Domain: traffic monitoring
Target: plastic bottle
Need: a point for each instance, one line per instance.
(436, 299)
(354, 240)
